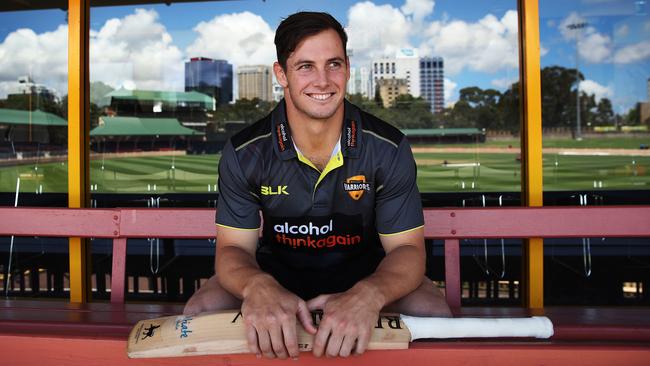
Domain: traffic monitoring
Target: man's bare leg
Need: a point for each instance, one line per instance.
(426, 300)
(211, 297)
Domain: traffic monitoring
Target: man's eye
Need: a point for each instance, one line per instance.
(305, 67)
(335, 65)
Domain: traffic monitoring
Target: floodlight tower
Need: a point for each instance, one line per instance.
(576, 27)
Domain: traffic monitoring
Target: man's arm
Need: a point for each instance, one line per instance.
(349, 317)
(269, 310)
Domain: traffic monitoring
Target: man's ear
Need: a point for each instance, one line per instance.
(347, 64)
(280, 75)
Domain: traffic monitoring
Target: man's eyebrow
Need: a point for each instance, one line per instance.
(339, 59)
(306, 61)
(303, 61)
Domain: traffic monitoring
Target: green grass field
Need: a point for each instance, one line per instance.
(587, 143)
(463, 172)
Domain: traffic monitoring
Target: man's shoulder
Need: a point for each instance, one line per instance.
(378, 130)
(258, 131)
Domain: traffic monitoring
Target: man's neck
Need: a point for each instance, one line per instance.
(315, 137)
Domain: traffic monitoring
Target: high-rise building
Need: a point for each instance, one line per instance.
(432, 82)
(390, 89)
(255, 81)
(405, 65)
(211, 77)
(360, 82)
(39, 93)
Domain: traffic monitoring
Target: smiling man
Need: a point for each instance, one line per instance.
(343, 223)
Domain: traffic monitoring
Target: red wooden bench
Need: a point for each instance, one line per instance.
(95, 333)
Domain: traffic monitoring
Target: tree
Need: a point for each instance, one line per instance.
(378, 99)
(632, 117)
(604, 113)
(558, 99)
(509, 109)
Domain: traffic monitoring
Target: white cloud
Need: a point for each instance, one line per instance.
(633, 53)
(504, 83)
(450, 91)
(488, 45)
(599, 91)
(42, 56)
(136, 52)
(376, 30)
(418, 9)
(542, 50)
(565, 26)
(240, 38)
(622, 31)
(593, 46)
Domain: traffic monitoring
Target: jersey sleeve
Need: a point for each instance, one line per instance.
(398, 203)
(238, 206)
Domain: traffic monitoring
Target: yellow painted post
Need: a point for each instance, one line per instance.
(531, 144)
(78, 129)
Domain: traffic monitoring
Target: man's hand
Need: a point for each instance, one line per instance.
(270, 313)
(348, 319)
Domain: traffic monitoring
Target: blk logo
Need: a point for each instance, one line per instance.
(274, 191)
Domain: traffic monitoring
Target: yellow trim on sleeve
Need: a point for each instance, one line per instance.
(237, 228)
(402, 232)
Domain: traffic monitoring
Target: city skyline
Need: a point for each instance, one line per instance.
(145, 47)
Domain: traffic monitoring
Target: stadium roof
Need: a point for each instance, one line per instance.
(11, 5)
(37, 117)
(442, 131)
(164, 96)
(133, 126)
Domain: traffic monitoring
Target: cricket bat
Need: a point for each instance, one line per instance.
(223, 333)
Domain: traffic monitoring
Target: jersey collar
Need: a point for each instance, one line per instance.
(351, 136)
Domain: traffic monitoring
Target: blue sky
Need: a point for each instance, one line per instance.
(145, 46)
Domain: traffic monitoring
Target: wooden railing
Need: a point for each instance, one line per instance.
(451, 225)
(574, 326)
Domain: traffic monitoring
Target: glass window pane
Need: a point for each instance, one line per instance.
(169, 85)
(595, 93)
(149, 62)
(598, 141)
(33, 142)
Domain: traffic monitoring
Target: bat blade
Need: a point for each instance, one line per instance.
(223, 333)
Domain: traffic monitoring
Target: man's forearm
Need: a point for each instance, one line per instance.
(398, 274)
(237, 271)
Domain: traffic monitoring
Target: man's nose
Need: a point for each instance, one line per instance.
(322, 78)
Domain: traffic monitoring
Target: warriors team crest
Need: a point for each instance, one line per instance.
(355, 186)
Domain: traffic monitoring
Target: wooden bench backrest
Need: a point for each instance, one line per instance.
(449, 224)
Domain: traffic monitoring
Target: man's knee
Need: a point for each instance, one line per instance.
(426, 300)
(211, 297)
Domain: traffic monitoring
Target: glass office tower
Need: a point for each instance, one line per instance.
(211, 77)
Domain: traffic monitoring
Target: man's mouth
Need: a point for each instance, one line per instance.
(320, 96)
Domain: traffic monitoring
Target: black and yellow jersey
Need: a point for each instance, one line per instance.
(320, 228)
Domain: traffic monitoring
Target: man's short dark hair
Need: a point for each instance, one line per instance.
(301, 25)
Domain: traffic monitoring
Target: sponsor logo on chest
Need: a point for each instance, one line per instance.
(356, 185)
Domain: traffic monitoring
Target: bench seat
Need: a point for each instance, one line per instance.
(62, 333)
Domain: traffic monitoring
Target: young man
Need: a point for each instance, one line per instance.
(342, 214)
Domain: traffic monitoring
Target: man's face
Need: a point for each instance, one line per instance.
(315, 77)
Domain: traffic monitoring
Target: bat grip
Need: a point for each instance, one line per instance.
(534, 327)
